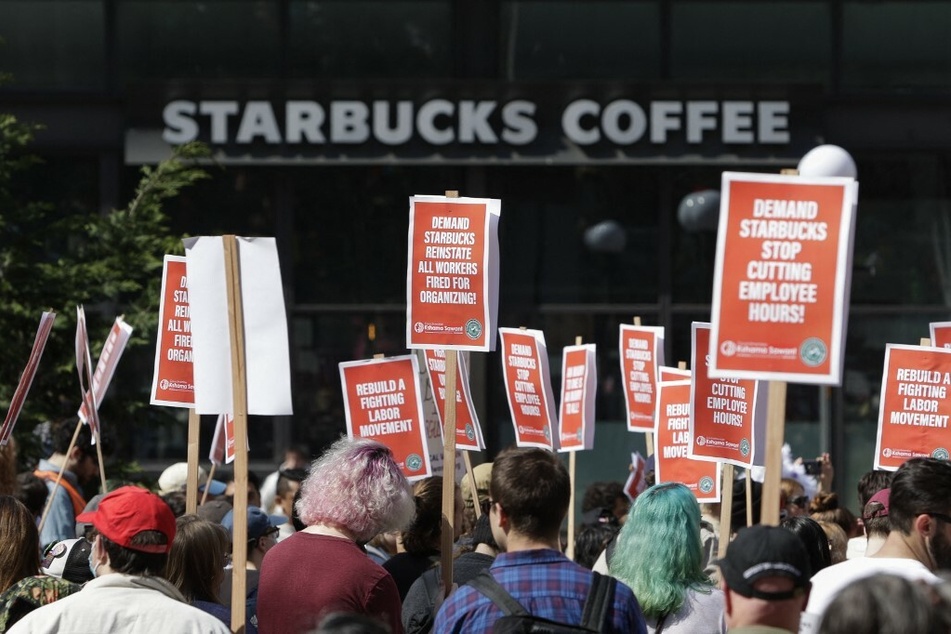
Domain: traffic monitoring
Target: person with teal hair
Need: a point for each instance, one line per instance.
(660, 557)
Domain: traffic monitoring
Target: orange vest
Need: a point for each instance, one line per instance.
(78, 502)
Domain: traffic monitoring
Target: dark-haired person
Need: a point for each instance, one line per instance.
(133, 533)
(530, 491)
(868, 485)
(79, 467)
(918, 544)
(813, 538)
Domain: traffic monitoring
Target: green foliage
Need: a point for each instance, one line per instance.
(51, 258)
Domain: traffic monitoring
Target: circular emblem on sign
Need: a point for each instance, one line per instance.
(940, 453)
(701, 441)
(706, 484)
(727, 348)
(473, 329)
(547, 433)
(418, 327)
(887, 452)
(579, 435)
(414, 462)
(163, 384)
(744, 447)
(813, 351)
(470, 433)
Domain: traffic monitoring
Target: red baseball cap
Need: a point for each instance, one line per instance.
(128, 511)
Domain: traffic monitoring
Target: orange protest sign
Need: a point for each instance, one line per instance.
(641, 350)
(173, 377)
(222, 442)
(452, 277)
(723, 412)
(528, 386)
(468, 430)
(578, 391)
(781, 280)
(668, 374)
(915, 409)
(26, 379)
(382, 402)
(672, 461)
(109, 357)
(940, 334)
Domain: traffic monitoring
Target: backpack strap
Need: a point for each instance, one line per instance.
(599, 602)
(485, 583)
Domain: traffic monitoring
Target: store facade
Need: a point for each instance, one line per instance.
(596, 123)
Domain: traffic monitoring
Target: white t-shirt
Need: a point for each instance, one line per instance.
(828, 582)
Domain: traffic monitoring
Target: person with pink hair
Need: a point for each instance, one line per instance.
(354, 491)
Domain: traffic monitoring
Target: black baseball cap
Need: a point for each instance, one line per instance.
(765, 551)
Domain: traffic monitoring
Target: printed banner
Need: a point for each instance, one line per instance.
(723, 412)
(383, 402)
(452, 276)
(782, 278)
(914, 410)
(26, 379)
(173, 377)
(668, 374)
(528, 387)
(468, 430)
(579, 386)
(940, 334)
(222, 443)
(83, 361)
(641, 353)
(266, 351)
(636, 479)
(112, 351)
(433, 429)
(672, 461)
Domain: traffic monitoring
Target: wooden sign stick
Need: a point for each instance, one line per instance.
(449, 464)
(211, 476)
(239, 387)
(470, 476)
(749, 498)
(726, 509)
(925, 342)
(191, 484)
(775, 430)
(59, 478)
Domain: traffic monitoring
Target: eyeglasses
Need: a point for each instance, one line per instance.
(271, 532)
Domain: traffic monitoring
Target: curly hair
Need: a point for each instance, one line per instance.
(356, 485)
(659, 554)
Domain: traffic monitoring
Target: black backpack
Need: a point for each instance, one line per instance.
(518, 620)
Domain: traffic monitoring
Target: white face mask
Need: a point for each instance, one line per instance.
(93, 566)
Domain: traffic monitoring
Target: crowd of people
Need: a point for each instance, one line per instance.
(347, 544)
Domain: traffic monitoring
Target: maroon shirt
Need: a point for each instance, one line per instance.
(307, 576)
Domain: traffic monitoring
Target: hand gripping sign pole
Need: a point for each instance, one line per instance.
(239, 554)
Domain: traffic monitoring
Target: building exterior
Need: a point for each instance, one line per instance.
(326, 115)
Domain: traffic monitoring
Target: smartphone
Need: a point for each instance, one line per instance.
(813, 467)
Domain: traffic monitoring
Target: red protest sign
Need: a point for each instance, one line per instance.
(641, 350)
(668, 374)
(915, 409)
(781, 280)
(672, 461)
(383, 402)
(578, 392)
(940, 334)
(173, 377)
(84, 361)
(723, 411)
(636, 480)
(222, 443)
(452, 276)
(26, 379)
(112, 351)
(468, 430)
(528, 386)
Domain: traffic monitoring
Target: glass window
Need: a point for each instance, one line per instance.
(48, 44)
(896, 44)
(774, 42)
(159, 39)
(574, 40)
(359, 39)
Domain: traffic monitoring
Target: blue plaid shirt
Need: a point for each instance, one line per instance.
(547, 584)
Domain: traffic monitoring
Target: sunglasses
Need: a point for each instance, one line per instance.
(800, 501)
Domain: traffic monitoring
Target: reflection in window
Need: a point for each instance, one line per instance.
(53, 45)
(575, 40)
(360, 39)
(774, 42)
(160, 39)
(896, 44)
